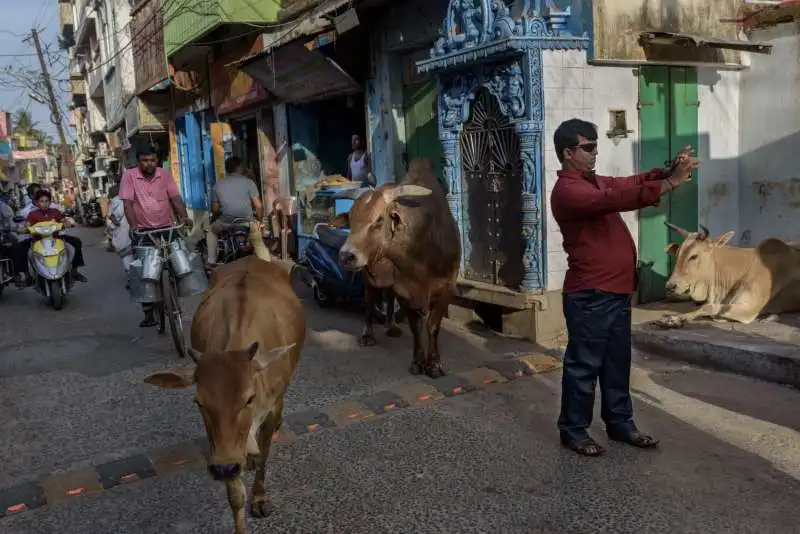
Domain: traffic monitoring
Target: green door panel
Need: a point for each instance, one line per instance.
(654, 150)
(422, 131)
(683, 204)
(668, 121)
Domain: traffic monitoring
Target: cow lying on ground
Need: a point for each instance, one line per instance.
(404, 237)
(247, 336)
(734, 284)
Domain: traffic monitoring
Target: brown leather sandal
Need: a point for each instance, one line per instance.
(584, 447)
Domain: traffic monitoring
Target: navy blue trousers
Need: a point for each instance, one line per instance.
(599, 347)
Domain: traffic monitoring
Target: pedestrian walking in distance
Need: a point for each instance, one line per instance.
(599, 283)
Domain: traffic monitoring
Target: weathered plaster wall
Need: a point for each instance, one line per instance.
(617, 24)
(718, 149)
(405, 27)
(769, 166)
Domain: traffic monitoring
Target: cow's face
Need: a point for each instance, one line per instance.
(229, 396)
(695, 266)
(373, 220)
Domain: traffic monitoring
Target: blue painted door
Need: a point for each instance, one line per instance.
(207, 144)
(183, 157)
(195, 188)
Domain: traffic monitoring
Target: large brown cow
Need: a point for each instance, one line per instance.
(404, 237)
(733, 284)
(247, 336)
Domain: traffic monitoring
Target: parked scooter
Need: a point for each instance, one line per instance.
(50, 261)
(94, 215)
(330, 283)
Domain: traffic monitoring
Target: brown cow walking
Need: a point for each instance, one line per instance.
(405, 238)
(247, 336)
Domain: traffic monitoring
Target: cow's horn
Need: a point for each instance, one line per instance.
(390, 195)
(703, 229)
(681, 231)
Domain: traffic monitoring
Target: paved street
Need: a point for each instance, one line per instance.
(72, 402)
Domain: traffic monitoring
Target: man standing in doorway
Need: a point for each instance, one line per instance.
(150, 201)
(599, 283)
(233, 199)
(359, 165)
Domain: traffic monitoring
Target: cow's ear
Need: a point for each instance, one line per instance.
(178, 378)
(722, 240)
(341, 221)
(265, 357)
(672, 249)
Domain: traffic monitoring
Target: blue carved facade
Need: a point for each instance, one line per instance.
(493, 144)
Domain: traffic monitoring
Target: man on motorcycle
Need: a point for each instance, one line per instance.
(151, 201)
(234, 198)
(45, 211)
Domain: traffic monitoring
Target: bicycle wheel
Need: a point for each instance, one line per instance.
(172, 310)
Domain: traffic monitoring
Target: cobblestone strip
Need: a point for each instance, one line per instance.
(62, 487)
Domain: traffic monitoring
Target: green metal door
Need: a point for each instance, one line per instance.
(422, 131)
(668, 122)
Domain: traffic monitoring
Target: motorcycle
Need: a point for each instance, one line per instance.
(332, 285)
(50, 262)
(6, 265)
(232, 244)
(94, 215)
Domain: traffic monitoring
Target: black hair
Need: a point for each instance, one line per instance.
(146, 150)
(43, 193)
(232, 163)
(32, 187)
(566, 135)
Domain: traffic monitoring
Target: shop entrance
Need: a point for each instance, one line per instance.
(244, 144)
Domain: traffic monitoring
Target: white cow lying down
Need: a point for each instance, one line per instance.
(734, 284)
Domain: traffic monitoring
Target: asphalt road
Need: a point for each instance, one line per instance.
(71, 396)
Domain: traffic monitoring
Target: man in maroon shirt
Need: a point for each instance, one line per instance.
(600, 279)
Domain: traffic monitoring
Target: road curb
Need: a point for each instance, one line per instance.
(95, 479)
(725, 350)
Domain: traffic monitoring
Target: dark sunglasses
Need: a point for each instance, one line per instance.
(587, 147)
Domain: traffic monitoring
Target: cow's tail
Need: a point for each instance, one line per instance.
(257, 241)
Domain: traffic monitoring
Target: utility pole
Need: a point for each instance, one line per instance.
(57, 119)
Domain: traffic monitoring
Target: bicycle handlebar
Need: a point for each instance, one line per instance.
(159, 230)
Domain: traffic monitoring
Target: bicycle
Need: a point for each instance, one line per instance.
(169, 308)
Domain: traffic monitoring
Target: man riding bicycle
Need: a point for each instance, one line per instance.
(233, 199)
(151, 201)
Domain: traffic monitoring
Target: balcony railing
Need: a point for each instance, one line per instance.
(76, 65)
(95, 76)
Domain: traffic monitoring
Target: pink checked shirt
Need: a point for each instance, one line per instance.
(150, 197)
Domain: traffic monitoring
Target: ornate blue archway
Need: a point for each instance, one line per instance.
(482, 46)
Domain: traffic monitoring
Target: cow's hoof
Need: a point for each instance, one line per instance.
(435, 370)
(260, 508)
(415, 369)
(366, 340)
(394, 331)
(669, 321)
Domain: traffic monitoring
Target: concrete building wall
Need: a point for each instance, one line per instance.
(718, 132)
(769, 114)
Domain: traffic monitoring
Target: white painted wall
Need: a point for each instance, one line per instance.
(574, 89)
(718, 150)
(769, 114)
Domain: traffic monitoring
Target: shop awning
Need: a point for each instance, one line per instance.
(297, 75)
(685, 40)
